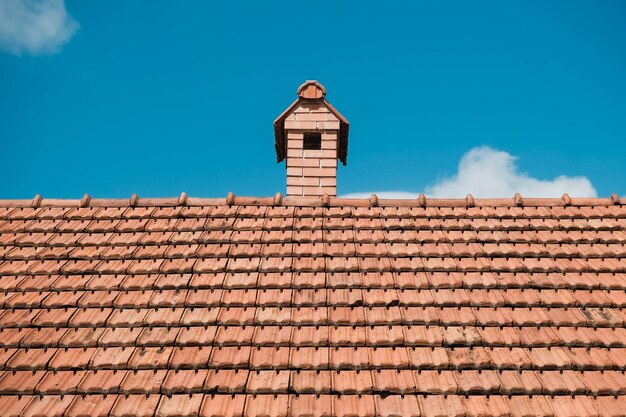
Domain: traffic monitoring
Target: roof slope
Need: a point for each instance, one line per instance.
(334, 307)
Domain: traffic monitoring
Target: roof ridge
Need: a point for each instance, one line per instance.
(322, 201)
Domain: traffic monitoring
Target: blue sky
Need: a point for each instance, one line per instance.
(158, 97)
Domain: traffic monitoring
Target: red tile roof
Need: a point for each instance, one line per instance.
(277, 306)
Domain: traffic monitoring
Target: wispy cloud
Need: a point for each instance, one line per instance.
(36, 27)
(486, 173)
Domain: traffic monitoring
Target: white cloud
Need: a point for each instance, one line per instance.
(34, 26)
(485, 172)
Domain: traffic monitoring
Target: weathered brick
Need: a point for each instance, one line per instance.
(294, 153)
(312, 125)
(315, 191)
(295, 143)
(327, 163)
(331, 191)
(311, 172)
(308, 181)
(313, 117)
(319, 172)
(330, 181)
(294, 190)
(312, 191)
(296, 172)
(309, 153)
(328, 125)
(295, 124)
(311, 108)
(302, 162)
(332, 117)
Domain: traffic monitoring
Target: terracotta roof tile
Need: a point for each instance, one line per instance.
(222, 406)
(28, 359)
(353, 405)
(48, 405)
(310, 336)
(71, 358)
(104, 381)
(179, 405)
(81, 337)
(189, 357)
(308, 381)
(268, 382)
(266, 405)
(92, 405)
(226, 381)
(20, 382)
(230, 357)
(394, 381)
(135, 405)
(313, 405)
(62, 382)
(577, 405)
(38, 337)
(150, 358)
(439, 405)
(143, 381)
(345, 310)
(494, 405)
(386, 357)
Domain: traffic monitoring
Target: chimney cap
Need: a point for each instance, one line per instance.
(311, 89)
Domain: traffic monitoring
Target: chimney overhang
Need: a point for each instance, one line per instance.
(311, 91)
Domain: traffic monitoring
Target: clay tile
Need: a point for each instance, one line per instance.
(517, 200)
(222, 405)
(91, 405)
(614, 199)
(20, 382)
(230, 199)
(179, 405)
(143, 382)
(421, 200)
(396, 405)
(469, 201)
(268, 382)
(374, 200)
(84, 202)
(311, 89)
(353, 405)
(36, 201)
(278, 199)
(266, 406)
(13, 405)
(134, 199)
(47, 405)
(566, 199)
(135, 405)
(60, 382)
(310, 405)
(182, 200)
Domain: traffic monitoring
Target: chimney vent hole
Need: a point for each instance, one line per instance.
(312, 141)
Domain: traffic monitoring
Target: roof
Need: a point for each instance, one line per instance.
(310, 92)
(276, 306)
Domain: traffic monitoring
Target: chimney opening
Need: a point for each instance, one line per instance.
(312, 141)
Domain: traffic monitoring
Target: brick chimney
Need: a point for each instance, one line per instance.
(312, 136)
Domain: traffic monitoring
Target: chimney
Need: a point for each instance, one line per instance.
(311, 135)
